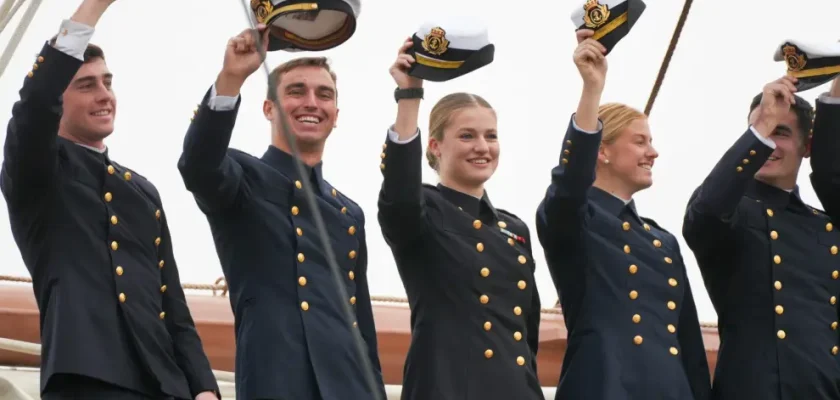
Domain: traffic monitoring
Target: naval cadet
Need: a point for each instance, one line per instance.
(466, 265)
(770, 261)
(294, 340)
(94, 237)
(632, 324)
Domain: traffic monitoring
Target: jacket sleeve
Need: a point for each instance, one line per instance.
(690, 337)
(364, 311)
(189, 351)
(30, 155)
(209, 173)
(401, 204)
(825, 157)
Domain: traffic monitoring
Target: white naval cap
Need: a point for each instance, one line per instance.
(314, 25)
(610, 19)
(812, 63)
(448, 47)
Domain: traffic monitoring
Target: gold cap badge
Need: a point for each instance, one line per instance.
(794, 59)
(435, 42)
(596, 14)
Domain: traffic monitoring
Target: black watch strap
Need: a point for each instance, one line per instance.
(410, 93)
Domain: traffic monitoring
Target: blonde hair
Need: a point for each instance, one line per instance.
(616, 117)
(442, 114)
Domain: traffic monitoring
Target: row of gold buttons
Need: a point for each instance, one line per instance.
(745, 162)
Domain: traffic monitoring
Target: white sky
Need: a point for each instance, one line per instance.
(166, 54)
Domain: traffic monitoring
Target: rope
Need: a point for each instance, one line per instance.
(18, 34)
(667, 61)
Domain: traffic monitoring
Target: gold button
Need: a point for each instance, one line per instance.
(672, 282)
(299, 231)
(355, 324)
(484, 299)
(382, 167)
(344, 210)
(114, 246)
(353, 300)
(517, 336)
(517, 310)
(834, 350)
(479, 247)
(745, 161)
(108, 197)
(829, 227)
(627, 249)
(568, 143)
(352, 254)
(834, 250)
(834, 325)
(163, 289)
(668, 260)
(637, 318)
(752, 152)
(769, 212)
(634, 295)
(833, 300)
(780, 334)
(567, 152)
(351, 230)
(162, 315)
(777, 259)
(835, 274)
(40, 59)
(384, 146)
(522, 259)
(674, 351)
(511, 242)
(302, 281)
(739, 169)
(488, 353)
(157, 214)
(625, 226)
(477, 224)
(333, 192)
(520, 360)
(657, 243)
(119, 270)
(672, 328)
(647, 227)
(777, 285)
(780, 310)
(633, 269)
(30, 74)
(114, 220)
(564, 161)
(111, 170)
(160, 264)
(485, 272)
(304, 306)
(295, 210)
(638, 340)
(127, 175)
(502, 224)
(351, 275)
(382, 155)
(487, 326)
(774, 235)
(521, 285)
(122, 297)
(672, 305)
(157, 241)
(298, 184)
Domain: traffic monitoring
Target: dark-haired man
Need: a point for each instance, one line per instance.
(770, 262)
(293, 338)
(114, 321)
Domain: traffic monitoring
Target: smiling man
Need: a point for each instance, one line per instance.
(293, 340)
(769, 261)
(94, 237)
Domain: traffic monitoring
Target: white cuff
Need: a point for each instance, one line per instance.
(827, 99)
(395, 137)
(73, 38)
(221, 103)
(771, 144)
(575, 125)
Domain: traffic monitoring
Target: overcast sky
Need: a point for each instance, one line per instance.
(165, 55)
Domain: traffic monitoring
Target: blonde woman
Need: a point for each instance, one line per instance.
(632, 325)
(466, 265)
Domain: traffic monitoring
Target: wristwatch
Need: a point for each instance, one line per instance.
(410, 93)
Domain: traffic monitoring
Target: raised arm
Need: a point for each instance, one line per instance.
(30, 153)
(189, 352)
(712, 209)
(401, 207)
(214, 178)
(825, 151)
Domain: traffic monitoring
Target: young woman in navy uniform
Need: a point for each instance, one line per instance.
(466, 265)
(632, 325)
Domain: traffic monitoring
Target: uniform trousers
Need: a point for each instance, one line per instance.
(79, 387)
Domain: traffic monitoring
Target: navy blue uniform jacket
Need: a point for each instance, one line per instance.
(771, 265)
(94, 237)
(293, 339)
(627, 303)
(469, 275)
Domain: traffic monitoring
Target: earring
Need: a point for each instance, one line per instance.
(606, 161)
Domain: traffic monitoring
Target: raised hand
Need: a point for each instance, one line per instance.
(399, 70)
(242, 57)
(776, 100)
(590, 59)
